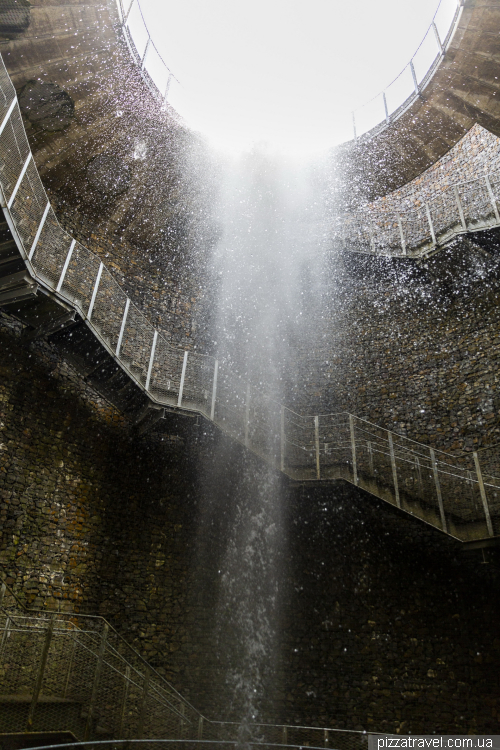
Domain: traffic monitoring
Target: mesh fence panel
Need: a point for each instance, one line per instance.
(51, 251)
(80, 278)
(28, 206)
(444, 212)
(109, 306)
(166, 372)
(14, 150)
(476, 203)
(136, 345)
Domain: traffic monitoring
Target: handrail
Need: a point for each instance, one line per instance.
(204, 730)
(418, 80)
(192, 382)
(417, 83)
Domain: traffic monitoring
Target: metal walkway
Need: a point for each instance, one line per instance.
(61, 290)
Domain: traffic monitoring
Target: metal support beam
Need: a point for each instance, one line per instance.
(183, 377)
(18, 183)
(353, 449)
(54, 325)
(65, 267)
(39, 231)
(482, 490)
(394, 470)
(438, 490)
(94, 291)
(151, 360)
(431, 225)
(214, 390)
(41, 670)
(316, 444)
(122, 329)
(459, 206)
(492, 198)
(97, 679)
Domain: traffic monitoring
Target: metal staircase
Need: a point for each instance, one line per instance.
(62, 291)
(66, 673)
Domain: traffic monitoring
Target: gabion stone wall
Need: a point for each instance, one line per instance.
(384, 625)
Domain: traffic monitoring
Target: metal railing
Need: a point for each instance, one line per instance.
(452, 493)
(407, 87)
(375, 115)
(72, 672)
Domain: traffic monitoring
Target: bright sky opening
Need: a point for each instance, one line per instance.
(285, 72)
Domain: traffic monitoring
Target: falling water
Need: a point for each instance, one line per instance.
(269, 265)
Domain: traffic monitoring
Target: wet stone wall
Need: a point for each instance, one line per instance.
(170, 296)
(382, 626)
(414, 356)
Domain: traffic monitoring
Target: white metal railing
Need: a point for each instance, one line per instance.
(408, 86)
(80, 660)
(375, 115)
(455, 494)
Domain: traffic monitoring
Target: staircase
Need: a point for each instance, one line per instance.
(63, 292)
(65, 675)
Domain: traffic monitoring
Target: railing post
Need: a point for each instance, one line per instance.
(41, 670)
(316, 445)
(438, 39)
(438, 490)
(182, 712)
(419, 475)
(247, 415)
(353, 449)
(282, 439)
(8, 114)
(70, 665)
(387, 118)
(460, 209)
(18, 183)
(126, 687)
(326, 738)
(492, 198)
(65, 267)
(370, 457)
(183, 377)
(214, 390)
(354, 126)
(431, 225)
(402, 235)
(97, 678)
(5, 634)
(200, 728)
(143, 61)
(128, 12)
(482, 490)
(122, 329)
(394, 469)
(284, 735)
(167, 89)
(414, 76)
(39, 231)
(142, 708)
(3, 589)
(94, 291)
(151, 360)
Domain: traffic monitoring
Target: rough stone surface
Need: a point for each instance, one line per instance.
(384, 624)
